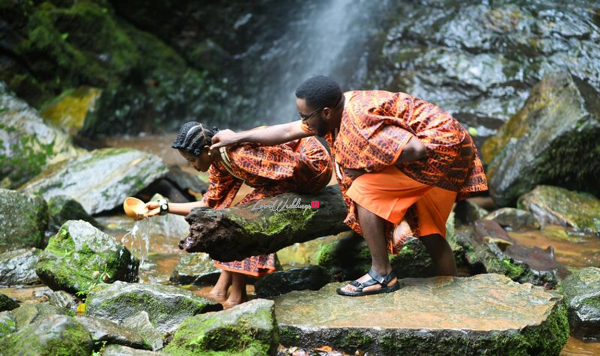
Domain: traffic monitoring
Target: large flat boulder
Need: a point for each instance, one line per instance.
(166, 306)
(553, 139)
(486, 313)
(99, 180)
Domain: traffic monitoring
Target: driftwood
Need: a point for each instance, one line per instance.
(264, 226)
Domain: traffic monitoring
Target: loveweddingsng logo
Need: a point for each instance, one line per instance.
(279, 205)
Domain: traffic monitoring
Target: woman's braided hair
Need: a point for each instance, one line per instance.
(193, 136)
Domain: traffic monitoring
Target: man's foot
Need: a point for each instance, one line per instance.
(371, 283)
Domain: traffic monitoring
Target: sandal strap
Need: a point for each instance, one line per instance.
(383, 280)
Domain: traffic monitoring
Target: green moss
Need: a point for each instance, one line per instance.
(288, 336)
(288, 220)
(27, 158)
(356, 340)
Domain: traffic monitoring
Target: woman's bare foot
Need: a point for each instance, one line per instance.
(219, 291)
(237, 293)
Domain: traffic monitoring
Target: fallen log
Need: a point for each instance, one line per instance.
(265, 226)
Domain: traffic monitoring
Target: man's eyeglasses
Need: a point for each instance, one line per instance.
(306, 117)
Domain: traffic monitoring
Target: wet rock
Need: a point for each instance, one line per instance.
(166, 306)
(53, 335)
(119, 350)
(169, 225)
(582, 297)
(265, 226)
(467, 212)
(63, 300)
(442, 315)
(249, 328)
(6, 303)
(195, 268)
(301, 278)
(187, 182)
(514, 219)
(479, 60)
(27, 314)
(560, 121)
(71, 108)
(106, 331)
(24, 219)
(62, 208)
(489, 249)
(8, 324)
(141, 324)
(346, 257)
(28, 144)
(558, 206)
(100, 180)
(80, 256)
(18, 267)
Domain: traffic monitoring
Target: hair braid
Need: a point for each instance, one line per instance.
(192, 137)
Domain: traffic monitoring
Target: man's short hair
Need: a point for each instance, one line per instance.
(319, 92)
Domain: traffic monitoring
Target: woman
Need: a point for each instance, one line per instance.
(301, 166)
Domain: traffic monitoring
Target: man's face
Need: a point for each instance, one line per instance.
(312, 117)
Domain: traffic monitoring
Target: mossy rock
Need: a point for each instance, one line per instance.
(80, 256)
(7, 303)
(28, 144)
(30, 313)
(247, 329)
(70, 110)
(558, 206)
(547, 141)
(167, 306)
(99, 180)
(24, 219)
(487, 248)
(53, 335)
(582, 297)
(8, 325)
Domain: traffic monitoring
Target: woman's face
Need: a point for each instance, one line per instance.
(200, 163)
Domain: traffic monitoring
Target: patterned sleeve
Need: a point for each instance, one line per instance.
(387, 134)
(272, 162)
(222, 189)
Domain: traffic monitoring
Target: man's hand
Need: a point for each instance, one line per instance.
(223, 138)
(353, 173)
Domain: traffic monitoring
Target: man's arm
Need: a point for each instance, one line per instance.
(413, 150)
(271, 135)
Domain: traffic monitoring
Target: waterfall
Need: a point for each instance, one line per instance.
(324, 37)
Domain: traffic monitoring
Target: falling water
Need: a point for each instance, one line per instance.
(137, 240)
(326, 37)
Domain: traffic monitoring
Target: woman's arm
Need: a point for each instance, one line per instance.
(270, 135)
(174, 208)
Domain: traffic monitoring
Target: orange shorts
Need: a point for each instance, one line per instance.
(389, 193)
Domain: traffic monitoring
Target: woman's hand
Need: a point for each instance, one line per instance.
(223, 138)
(153, 209)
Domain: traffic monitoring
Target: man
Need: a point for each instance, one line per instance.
(396, 157)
